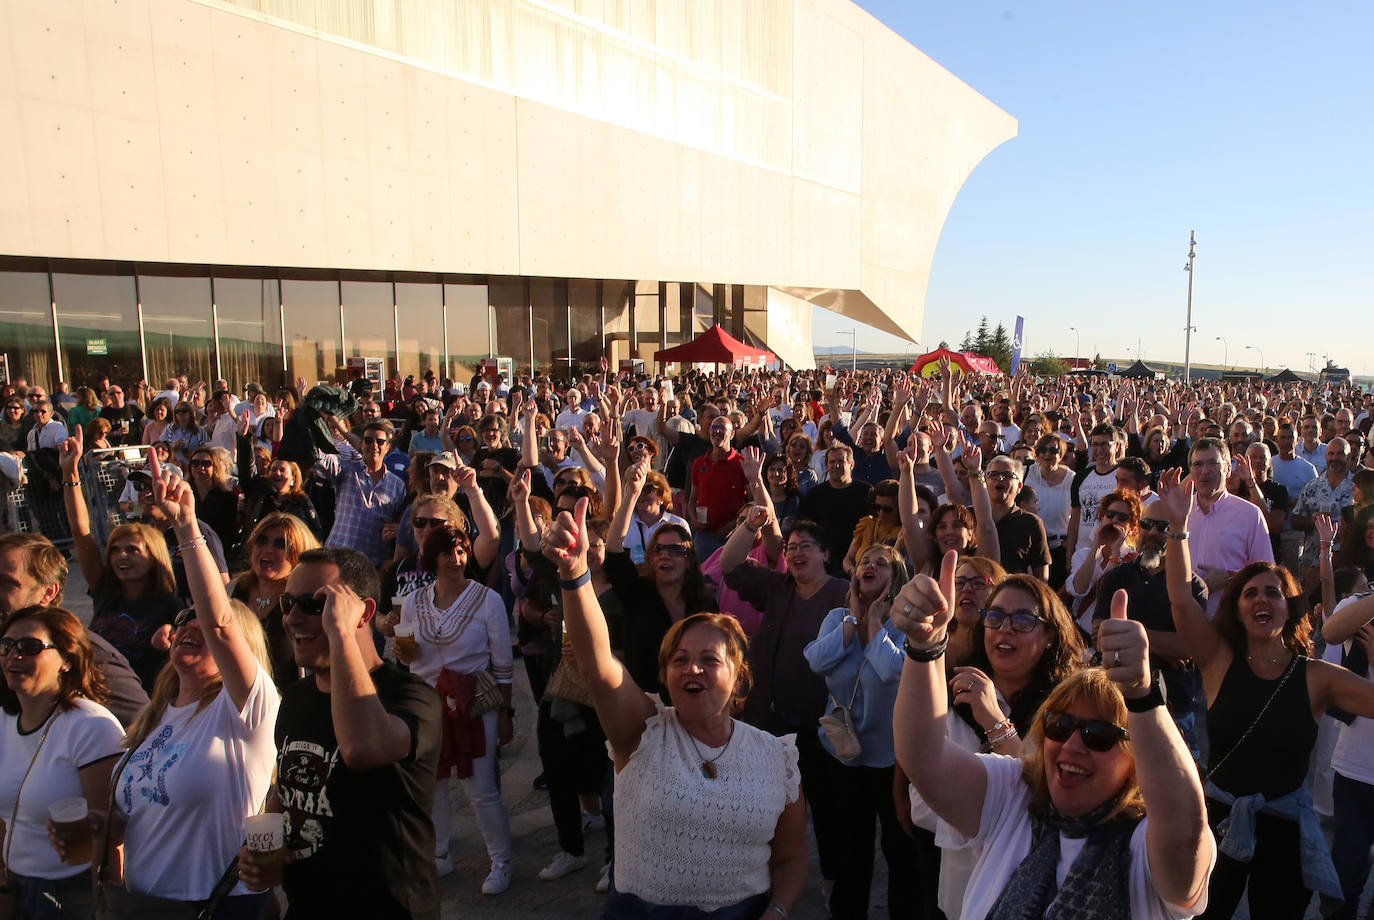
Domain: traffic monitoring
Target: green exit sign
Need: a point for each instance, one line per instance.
(97, 347)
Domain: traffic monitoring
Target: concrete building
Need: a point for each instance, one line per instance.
(262, 189)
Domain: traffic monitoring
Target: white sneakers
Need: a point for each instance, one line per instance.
(498, 879)
(443, 865)
(593, 822)
(563, 864)
(603, 884)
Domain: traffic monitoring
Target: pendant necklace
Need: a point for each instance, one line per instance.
(708, 766)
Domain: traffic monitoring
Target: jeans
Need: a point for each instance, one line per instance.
(69, 898)
(628, 907)
(1354, 820)
(483, 789)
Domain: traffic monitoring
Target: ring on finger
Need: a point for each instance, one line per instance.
(1116, 659)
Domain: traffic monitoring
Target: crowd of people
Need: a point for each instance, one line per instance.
(1071, 647)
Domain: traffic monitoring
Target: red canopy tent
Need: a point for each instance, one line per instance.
(968, 362)
(715, 346)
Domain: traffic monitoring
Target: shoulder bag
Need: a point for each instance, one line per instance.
(838, 724)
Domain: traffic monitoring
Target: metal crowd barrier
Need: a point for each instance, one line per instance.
(28, 509)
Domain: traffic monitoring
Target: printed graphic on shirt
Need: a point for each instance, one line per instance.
(145, 775)
(304, 769)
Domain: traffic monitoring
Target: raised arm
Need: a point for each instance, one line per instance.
(525, 530)
(635, 476)
(924, 750)
(488, 542)
(1342, 625)
(621, 705)
(1176, 841)
(1203, 642)
(78, 515)
(1326, 534)
(989, 546)
(368, 735)
(941, 446)
(608, 450)
(219, 625)
(579, 446)
(913, 529)
(752, 462)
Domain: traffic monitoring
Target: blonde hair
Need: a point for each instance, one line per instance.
(161, 580)
(299, 537)
(219, 472)
(168, 683)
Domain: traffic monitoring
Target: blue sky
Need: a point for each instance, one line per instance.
(1250, 123)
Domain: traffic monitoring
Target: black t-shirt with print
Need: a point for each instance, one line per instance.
(362, 841)
(129, 627)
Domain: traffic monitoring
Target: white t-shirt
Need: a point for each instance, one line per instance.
(638, 536)
(1353, 756)
(1004, 839)
(189, 787)
(86, 734)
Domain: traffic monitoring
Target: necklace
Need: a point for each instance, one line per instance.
(1272, 659)
(708, 766)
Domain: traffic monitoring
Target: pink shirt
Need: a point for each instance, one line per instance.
(1230, 536)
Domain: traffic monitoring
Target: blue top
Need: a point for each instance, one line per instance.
(881, 664)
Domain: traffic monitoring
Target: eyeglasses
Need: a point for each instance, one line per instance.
(1022, 621)
(28, 646)
(1098, 734)
(375, 442)
(14, 408)
(1205, 464)
(676, 550)
(423, 522)
(309, 604)
(467, 438)
(969, 582)
(1148, 524)
(1122, 516)
(42, 412)
(277, 543)
(802, 546)
(1048, 452)
(1099, 444)
(202, 464)
(183, 617)
(1001, 475)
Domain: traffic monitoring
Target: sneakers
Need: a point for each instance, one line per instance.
(563, 864)
(443, 865)
(603, 884)
(498, 879)
(593, 822)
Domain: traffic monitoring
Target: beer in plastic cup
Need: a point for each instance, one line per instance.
(404, 646)
(266, 837)
(73, 827)
(702, 512)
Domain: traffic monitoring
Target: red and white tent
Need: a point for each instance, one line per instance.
(970, 363)
(715, 346)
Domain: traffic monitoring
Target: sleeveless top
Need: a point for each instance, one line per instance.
(1272, 761)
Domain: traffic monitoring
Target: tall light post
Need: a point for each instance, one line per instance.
(1188, 328)
(1261, 354)
(1077, 346)
(1225, 362)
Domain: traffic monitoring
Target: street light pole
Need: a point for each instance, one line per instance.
(1077, 346)
(1261, 354)
(1225, 363)
(1188, 329)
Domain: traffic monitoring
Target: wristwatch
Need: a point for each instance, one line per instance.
(851, 620)
(1156, 696)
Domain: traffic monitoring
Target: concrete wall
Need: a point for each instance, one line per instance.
(789, 143)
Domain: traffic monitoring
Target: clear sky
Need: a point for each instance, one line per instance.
(1249, 122)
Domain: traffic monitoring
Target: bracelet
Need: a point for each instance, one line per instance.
(572, 584)
(978, 476)
(72, 483)
(774, 905)
(934, 653)
(1002, 731)
(191, 544)
(1177, 535)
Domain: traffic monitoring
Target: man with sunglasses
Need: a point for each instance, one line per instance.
(47, 432)
(367, 494)
(33, 573)
(124, 418)
(358, 746)
(1147, 593)
(1021, 535)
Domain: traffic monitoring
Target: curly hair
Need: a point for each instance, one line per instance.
(1297, 631)
(81, 678)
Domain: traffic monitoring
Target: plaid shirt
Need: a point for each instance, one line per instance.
(362, 504)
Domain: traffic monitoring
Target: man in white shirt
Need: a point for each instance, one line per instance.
(47, 431)
(571, 417)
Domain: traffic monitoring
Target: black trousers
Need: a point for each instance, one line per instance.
(575, 761)
(1274, 873)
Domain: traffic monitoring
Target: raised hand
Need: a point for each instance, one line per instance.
(972, 457)
(757, 517)
(1325, 527)
(243, 424)
(1125, 649)
(172, 495)
(1176, 494)
(519, 490)
(906, 458)
(466, 477)
(975, 688)
(636, 474)
(924, 607)
(565, 540)
(752, 461)
(939, 440)
(343, 610)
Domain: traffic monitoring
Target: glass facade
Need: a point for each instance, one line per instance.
(78, 321)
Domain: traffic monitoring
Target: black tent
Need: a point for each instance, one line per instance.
(1087, 372)
(1286, 376)
(1140, 370)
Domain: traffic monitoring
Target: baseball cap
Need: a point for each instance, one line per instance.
(444, 459)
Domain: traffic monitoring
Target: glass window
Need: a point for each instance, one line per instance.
(510, 322)
(369, 323)
(310, 310)
(585, 317)
(549, 326)
(178, 335)
(26, 328)
(97, 323)
(705, 303)
(469, 323)
(646, 319)
(420, 323)
(249, 331)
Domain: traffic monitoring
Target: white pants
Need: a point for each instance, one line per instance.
(483, 789)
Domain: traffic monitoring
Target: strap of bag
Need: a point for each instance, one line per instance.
(1292, 666)
(9, 828)
(853, 694)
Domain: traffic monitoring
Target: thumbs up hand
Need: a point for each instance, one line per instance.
(1125, 650)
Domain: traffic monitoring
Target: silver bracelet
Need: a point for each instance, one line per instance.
(774, 905)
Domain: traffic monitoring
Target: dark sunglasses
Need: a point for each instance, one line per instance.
(183, 617)
(202, 464)
(1122, 516)
(1098, 735)
(679, 550)
(422, 522)
(309, 604)
(1021, 621)
(376, 442)
(1049, 451)
(28, 646)
(277, 543)
(1148, 524)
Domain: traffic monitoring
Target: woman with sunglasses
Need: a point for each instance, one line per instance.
(56, 742)
(461, 630)
(201, 753)
(1114, 542)
(274, 546)
(185, 432)
(13, 434)
(216, 502)
(1265, 697)
(272, 487)
(1059, 830)
(858, 652)
(1053, 483)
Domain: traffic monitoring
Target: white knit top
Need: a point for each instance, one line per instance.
(683, 839)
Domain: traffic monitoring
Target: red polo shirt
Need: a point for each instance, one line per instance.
(721, 489)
